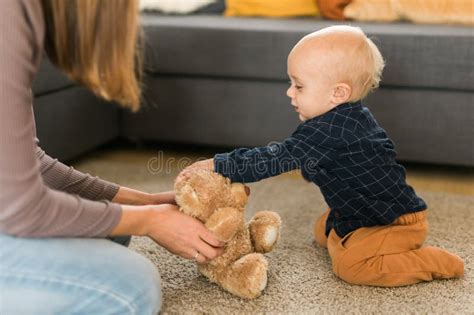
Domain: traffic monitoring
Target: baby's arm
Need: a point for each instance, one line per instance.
(251, 165)
(308, 146)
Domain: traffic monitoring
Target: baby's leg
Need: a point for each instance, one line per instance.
(320, 228)
(392, 255)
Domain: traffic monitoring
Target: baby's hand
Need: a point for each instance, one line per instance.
(203, 165)
(184, 174)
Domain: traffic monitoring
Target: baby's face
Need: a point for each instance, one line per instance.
(318, 67)
(310, 89)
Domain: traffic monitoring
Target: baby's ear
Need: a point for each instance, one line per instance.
(341, 93)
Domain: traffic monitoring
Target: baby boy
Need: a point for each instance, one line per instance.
(375, 226)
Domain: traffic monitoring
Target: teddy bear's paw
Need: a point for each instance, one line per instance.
(265, 230)
(247, 277)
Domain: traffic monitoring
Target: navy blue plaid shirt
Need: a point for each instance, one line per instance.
(344, 152)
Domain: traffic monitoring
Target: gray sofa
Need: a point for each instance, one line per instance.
(69, 119)
(222, 82)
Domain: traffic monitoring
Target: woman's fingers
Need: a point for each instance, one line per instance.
(208, 251)
(209, 238)
(207, 245)
(183, 235)
(199, 257)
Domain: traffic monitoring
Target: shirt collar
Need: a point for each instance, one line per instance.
(354, 105)
(357, 105)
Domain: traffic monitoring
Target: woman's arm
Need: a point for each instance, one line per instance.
(250, 165)
(129, 196)
(59, 176)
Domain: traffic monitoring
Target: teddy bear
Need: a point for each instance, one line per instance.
(220, 205)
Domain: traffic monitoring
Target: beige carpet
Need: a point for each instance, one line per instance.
(300, 276)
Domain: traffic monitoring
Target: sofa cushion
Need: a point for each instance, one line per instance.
(73, 121)
(371, 10)
(332, 9)
(416, 55)
(417, 11)
(49, 79)
(274, 8)
(426, 125)
(174, 7)
(209, 111)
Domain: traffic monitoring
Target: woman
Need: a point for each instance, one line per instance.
(54, 255)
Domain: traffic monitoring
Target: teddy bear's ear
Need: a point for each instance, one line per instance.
(202, 192)
(240, 195)
(189, 202)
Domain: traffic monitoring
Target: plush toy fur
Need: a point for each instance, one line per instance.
(417, 11)
(212, 199)
(174, 6)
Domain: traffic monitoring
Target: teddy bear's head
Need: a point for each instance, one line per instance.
(200, 193)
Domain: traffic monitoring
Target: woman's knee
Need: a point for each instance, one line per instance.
(97, 274)
(129, 278)
(139, 279)
(148, 297)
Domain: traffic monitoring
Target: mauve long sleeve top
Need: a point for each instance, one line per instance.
(39, 196)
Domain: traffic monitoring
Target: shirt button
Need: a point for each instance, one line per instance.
(337, 214)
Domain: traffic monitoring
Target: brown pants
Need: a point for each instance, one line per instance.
(390, 255)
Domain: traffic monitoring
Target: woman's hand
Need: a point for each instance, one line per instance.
(183, 235)
(167, 197)
(177, 232)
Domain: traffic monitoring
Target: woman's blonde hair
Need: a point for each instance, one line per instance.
(97, 44)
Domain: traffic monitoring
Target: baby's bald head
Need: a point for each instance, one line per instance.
(342, 54)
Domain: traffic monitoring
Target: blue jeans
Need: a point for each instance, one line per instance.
(75, 276)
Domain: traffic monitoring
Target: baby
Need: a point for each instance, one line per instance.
(375, 225)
